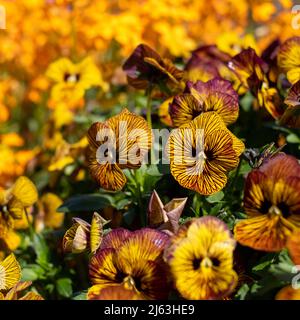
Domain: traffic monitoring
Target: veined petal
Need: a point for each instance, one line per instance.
(25, 191)
(10, 272)
(96, 232)
(266, 233)
(114, 292)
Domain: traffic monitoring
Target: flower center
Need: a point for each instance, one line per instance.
(71, 77)
(132, 283)
(205, 263)
(275, 209)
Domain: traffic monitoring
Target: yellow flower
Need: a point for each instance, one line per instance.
(272, 202)
(125, 139)
(133, 259)
(66, 154)
(72, 79)
(47, 215)
(200, 257)
(289, 58)
(13, 203)
(10, 272)
(232, 43)
(202, 152)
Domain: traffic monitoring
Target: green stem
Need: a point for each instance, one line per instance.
(149, 99)
(233, 182)
(149, 119)
(31, 229)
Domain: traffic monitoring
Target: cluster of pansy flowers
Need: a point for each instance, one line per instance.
(196, 258)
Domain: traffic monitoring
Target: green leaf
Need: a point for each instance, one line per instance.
(216, 209)
(64, 287)
(86, 202)
(29, 275)
(242, 292)
(80, 295)
(293, 138)
(41, 249)
(216, 197)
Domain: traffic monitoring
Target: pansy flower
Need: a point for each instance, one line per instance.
(215, 95)
(291, 116)
(48, 216)
(165, 217)
(83, 236)
(202, 152)
(10, 273)
(252, 73)
(13, 203)
(272, 203)
(289, 58)
(145, 67)
(72, 79)
(131, 259)
(200, 257)
(120, 142)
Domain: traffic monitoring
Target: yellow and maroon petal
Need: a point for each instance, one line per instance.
(184, 108)
(289, 54)
(115, 238)
(266, 233)
(116, 292)
(102, 268)
(20, 286)
(32, 296)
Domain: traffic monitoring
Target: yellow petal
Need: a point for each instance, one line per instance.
(10, 272)
(25, 191)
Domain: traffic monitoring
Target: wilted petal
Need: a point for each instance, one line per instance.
(156, 213)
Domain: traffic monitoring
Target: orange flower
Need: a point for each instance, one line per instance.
(125, 139)
(271, 201)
